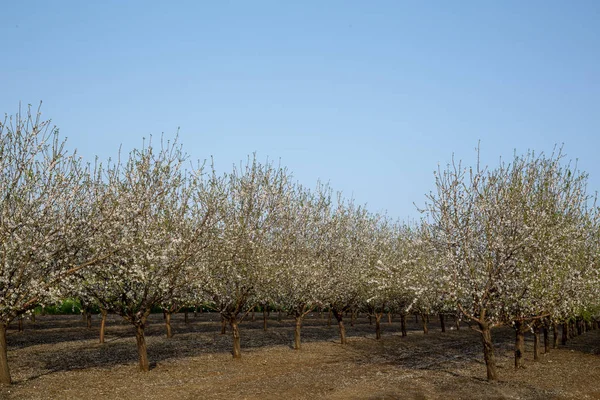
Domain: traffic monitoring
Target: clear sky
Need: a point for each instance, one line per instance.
(369, 96)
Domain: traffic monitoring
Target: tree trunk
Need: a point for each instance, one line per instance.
(4, 371)
(370, 319)
(403, 324)
(253, 319)
(20, 325)
(536, 344)
(264, 319)
(297, 332)
(555, 335)
(102, 324)
(185, 317)
(339, 317)
(546, 340)
(378, 325)
(389, 318)
(416, 318)
(141, 347)
(329, 319)
(168, 324)
(519, 345)
(279, 317)
(352, 318)
(223, 325)
(235, 330)
(88, 319)
(488, 351)
(425, 328)
(442, 323)
(565, 333)
(33, 318)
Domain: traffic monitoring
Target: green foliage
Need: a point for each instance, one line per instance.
(65, 307)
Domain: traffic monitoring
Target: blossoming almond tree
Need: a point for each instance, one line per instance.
(378, 280)
(298, 276)
(255, 200)
(343, 253)
(45, 193)
(547, 217)
(500, 233)
(161, 228)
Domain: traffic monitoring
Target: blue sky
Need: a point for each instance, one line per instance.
(369, 96)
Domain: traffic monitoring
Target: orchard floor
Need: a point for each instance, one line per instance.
(59, 358)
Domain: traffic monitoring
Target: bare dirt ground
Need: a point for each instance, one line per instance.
(59, 358)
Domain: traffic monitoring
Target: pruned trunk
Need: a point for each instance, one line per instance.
(141, 347)
(403, 324)
(378, 325)
(425, 328)
(264, 319)
(536, 343)
(102, 324)
(235, 330)
(442, 322)
(168, 324)
(223, 325)
(519, 344)
(488, 351)
(297, 329)
(339, 317)
(546, 340)
(4, 371)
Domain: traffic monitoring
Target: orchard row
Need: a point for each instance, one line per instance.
(516, 245)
